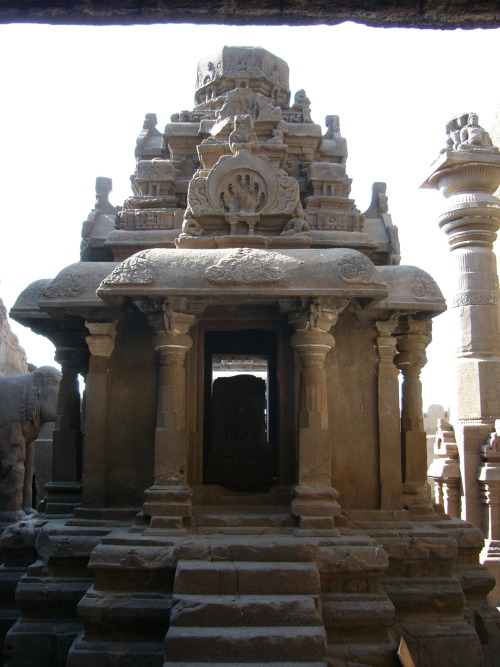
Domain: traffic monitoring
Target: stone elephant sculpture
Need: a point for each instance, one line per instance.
(26, 403)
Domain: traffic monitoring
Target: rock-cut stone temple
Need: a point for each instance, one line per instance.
(240, 484)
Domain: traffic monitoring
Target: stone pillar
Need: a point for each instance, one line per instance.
(388, 417)
(65, 486)
(413, 336)
(467, 173)
(101, 343)
(445, 469)
(315, 500)
(168, 501)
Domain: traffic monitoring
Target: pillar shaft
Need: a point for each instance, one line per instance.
(168, 501)
(412, 339)
(170, 434)
(64, 488)
(315, 499)
(388, 418)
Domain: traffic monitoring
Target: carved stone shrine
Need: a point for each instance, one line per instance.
(241, 486)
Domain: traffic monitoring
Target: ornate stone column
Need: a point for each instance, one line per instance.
(168, 501)
(65, 486)
(413, 336)
(315, 500)
(101, 343)
(467, 173)
(388, 418)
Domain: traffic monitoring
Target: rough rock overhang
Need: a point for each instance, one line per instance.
(441, 14)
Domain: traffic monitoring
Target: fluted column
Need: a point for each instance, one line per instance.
(388, 417)
(315, 500)
(65, 486)
(467, 173)
(413, 336)
(168, 501)
(101, 343)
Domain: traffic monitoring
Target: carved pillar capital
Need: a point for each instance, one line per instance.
(413, 337)
(101, 340)
(319, 314)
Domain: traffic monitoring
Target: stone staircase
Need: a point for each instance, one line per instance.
(248, 608)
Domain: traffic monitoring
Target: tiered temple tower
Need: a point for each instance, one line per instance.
(247, 491)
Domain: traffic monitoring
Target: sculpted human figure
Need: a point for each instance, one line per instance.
(302, 103)
(297, 225)
(26, 403)
(243, 135)
(473, 136)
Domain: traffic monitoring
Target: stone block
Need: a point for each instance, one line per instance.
(246, 644)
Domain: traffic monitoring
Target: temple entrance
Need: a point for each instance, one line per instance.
(240, 409)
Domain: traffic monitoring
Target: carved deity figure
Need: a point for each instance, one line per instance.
(303, 104)
(278, 133)
(243, 135)
(26, 403)
(473, 136)
(297, 225)
(243, 194)
(463, 133)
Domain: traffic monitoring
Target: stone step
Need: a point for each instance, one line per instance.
(242, 517)
(277, 548)
(196, 577)
(245, 645)
(238, 611)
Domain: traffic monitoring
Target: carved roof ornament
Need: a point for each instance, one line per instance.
(356, 268)
(245, 266)
(133, 271)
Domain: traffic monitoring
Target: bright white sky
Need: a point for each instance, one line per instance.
(74, 99)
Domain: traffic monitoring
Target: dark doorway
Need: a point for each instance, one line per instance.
(240, 409)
